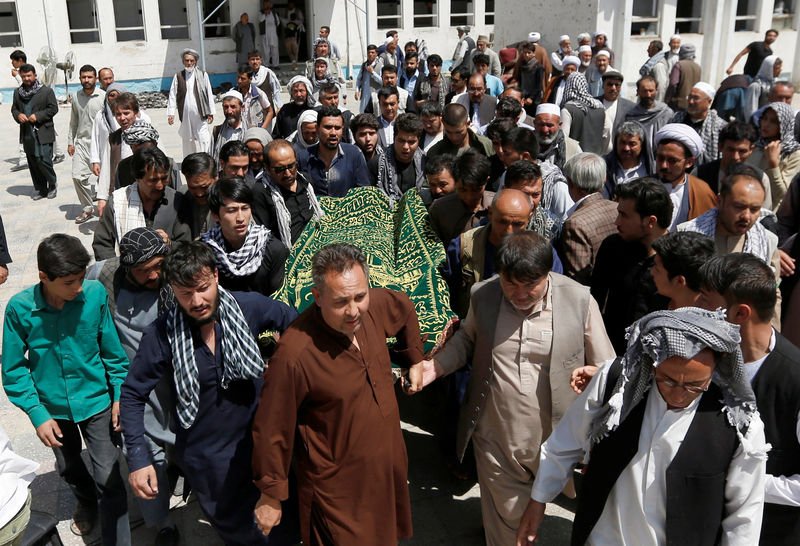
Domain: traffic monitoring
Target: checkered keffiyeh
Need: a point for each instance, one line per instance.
(709, 133)
(755, 240)
(683, 332)
(140, 245)
(241, 358)
(139, 133)
(244, 261)
(576, 91)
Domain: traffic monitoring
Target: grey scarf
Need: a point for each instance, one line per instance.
(241, 358)
(388, 180)
(284, 218)
(683, 332)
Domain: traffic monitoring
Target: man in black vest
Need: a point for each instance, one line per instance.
(677, 449)
(745, 286)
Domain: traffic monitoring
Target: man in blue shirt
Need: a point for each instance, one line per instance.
(63, 365)
(207, 344)
(335, 167)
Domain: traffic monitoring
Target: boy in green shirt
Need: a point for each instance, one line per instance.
(63, 365)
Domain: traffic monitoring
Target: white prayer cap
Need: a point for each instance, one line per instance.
(584, 48)
(600, 33)
(233, 94)
(548, 108)
(571, 59)
(563, 37)
(534, 37)
(683, 134)
(601, 53)
(675, 37)
(706, 88)
(388, 40)
(320, 60)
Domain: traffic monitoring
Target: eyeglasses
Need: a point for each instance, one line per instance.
(279, 170)
(688, 388)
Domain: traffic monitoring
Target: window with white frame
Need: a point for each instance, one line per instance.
(688, 17)
(219, 25)
(9, 25)
(783, 14)
(426, 13)
(644, 19)
(128, 20)
(174, 23)
(746, 14)
(489, 18)
(83, 25)
(462, 12)
(390, 14)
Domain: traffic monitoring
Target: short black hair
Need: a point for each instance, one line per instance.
(472, 169)
(508, 107)
(734, 172)
(454, 115)
(409, 123)
(388, 68)
(430, 108)
(412, 55)
(524, 256)
(658, 44)
(234, 148)
(146, 158)
(409, 43)
(650, 199)
(88, 68)
(244, 68)
(197, 164)
(18, 55)
(684, 253)
(480, 58)
(386, 92)
(439, 163)
(364, 120)
(742, 278)
(738, 131)
(326, 27)
(253, 53)
(186, 261)
(435, 60)
(646, 78)
(391, 33)
(520, 172)
(522, 140)
(27, 68)
(61, 255)
(235, 189)
(462, 71)
(498, 127)
(328, 112)
(372, 47)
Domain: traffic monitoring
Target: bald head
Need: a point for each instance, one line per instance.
(510, 212)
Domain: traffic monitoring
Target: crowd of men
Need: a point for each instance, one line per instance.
(623, 273)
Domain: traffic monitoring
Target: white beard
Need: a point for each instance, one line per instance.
(189, 69)
(675, 51)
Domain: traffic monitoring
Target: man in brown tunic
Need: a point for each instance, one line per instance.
(329, 385)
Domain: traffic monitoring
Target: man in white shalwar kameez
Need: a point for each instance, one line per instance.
(86, 104)
(191, 97)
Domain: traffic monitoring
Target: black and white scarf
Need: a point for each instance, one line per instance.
(241, 358)
(576, 91)
(27, 93)
(755, 240)
(389, 180)
(244, 261)
(282, 212)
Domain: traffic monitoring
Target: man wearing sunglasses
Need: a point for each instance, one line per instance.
(676, 446)
(285, 201)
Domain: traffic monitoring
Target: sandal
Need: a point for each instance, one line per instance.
(83, 520)
(85, 217)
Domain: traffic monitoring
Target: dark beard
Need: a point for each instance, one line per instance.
(194, 323)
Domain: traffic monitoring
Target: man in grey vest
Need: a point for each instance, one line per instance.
(191, 97)
(526, 330)
(676, 446)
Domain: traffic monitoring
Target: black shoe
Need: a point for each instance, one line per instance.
(168, 536)
(19, 167)
(51, 194)
(39, 196)
(58, 159)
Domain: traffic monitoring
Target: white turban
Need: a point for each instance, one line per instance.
(571, 59)
(601, 53)
(584, 48)
(388, 40)
(584, 36)
(534, 37)
(706, 88)
(563, 37)
(683, 134)
(548, 108)
(192, 52)
(233, 94)
(675, 37)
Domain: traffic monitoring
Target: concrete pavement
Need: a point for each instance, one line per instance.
(445, 510)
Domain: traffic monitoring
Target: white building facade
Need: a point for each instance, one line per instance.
(719, 29)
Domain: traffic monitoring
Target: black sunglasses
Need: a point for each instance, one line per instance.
(290, 166)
